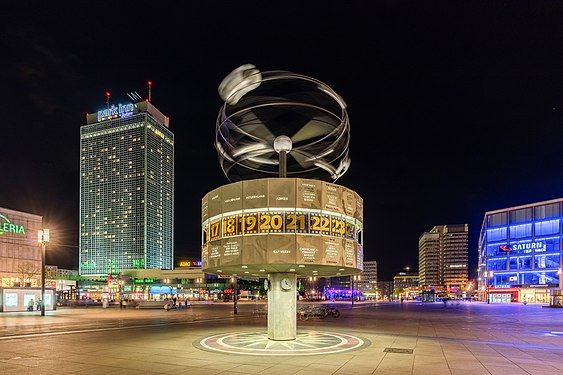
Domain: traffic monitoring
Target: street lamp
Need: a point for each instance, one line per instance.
(235, 287)
(488, 277)
(355, 277)
(42, 239)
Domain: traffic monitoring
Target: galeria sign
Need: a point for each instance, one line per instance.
(6, 226)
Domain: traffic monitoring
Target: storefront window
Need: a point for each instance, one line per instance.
(525, 263)
(547, 211)
(497, 234)
(496, 264)
(495, 250)
(543, 228)
(521, 231)
(504, 280)
(552, 261)
(539, 261)
(539, 278)
(521, 216)
(11, 299)
(497, 220)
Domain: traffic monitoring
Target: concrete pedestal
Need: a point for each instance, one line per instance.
(282, 307)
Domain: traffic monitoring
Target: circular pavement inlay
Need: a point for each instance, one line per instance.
(257, 343)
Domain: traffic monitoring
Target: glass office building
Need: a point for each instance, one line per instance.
(520, 253)
(126, 190)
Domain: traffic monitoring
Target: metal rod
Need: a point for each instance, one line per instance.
(352, 280)
(283, 164)
(43, 245)
(235, 291)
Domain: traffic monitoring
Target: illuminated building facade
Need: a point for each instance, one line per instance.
(520, 252)
(20, 256)
(368, 279)
(443, 257)
(406, 284)
(429, 260)
(126, 190)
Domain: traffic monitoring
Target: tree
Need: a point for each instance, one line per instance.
(398, 292)
(27, 271)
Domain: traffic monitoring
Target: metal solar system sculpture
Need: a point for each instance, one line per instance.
(282, 139)
(260, 107)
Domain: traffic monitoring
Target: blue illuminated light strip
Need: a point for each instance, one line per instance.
(542, 270)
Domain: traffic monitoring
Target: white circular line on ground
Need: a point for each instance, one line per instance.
(308, 343)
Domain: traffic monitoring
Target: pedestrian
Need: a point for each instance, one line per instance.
(30, 305)
(121, 304)
(38, 304)
(124, 304)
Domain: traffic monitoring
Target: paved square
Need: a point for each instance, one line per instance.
(408, 338)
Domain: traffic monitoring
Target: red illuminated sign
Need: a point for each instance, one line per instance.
(505, 248)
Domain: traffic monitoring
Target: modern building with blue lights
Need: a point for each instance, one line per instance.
(520, 253)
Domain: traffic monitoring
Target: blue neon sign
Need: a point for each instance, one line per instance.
(120, 111)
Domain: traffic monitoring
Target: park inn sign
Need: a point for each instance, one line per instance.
(6, 226)
(120, 111)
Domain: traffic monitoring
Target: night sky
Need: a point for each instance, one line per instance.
(455, 107)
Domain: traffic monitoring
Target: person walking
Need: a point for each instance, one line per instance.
(38, 304)
(30, 305)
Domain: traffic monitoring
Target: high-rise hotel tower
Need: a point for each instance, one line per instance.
(126, 190)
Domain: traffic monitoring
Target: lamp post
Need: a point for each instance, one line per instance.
(43, 238)
(488, 276)
(355, 277)
(199, 282)
(235, 287)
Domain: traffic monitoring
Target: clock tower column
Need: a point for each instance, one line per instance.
(282, 306)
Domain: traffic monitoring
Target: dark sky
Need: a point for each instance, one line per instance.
(455, 107)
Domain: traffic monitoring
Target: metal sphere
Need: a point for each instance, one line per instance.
(260, 107)
(282, 143)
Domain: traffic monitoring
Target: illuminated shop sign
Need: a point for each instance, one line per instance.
(189, 263)
(505, 248)
(529, 246)
(120, 111)
(6, 226)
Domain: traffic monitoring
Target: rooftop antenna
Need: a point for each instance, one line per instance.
(107, 99)
(150, 89)
(134, 96)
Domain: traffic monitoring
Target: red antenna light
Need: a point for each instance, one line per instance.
(150, 87)
(107, 99)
